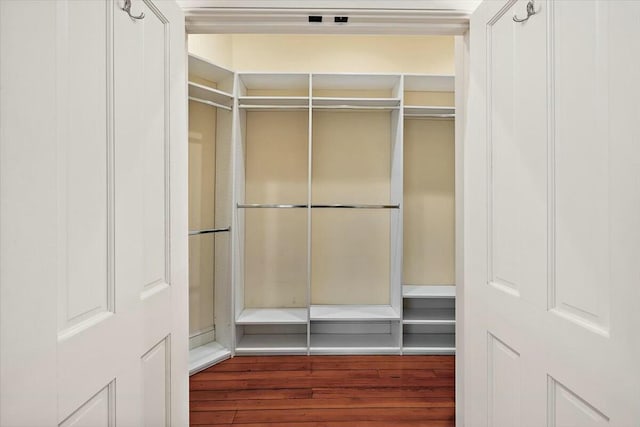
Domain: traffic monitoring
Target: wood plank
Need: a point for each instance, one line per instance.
(384, 392)
(351, 414)
(353, 402)
(282, 393)
(211, 417)
(430, 423)
(287, 375)
(266, 384)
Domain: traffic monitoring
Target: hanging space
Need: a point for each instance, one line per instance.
(211, 103)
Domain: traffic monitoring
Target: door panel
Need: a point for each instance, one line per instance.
(107, 177)
(551, 181)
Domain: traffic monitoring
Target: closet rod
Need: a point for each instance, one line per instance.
(332, 206)
(429, 116)
(258, 205)
(208, 231)
(213, 104)
(357, 206)
(354, 107)
(273, 107)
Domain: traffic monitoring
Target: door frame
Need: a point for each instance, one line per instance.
(408, 17)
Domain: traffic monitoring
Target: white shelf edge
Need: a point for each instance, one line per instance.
(273, 316)
(348, 313)
(210, 94)
(428, 291)
(200, 358)
(272, 344)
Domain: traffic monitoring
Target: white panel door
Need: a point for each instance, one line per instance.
(93, 224)
(552, 198)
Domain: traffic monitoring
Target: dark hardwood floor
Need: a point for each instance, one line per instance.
(325, 391)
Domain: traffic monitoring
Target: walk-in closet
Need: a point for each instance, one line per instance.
(322, 211)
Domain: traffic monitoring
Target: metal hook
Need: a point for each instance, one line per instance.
(127, 8)
(530, 12)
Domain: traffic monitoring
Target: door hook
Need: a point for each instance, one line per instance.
(127, 8)
(530, 12)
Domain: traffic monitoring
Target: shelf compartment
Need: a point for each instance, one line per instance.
(429, 344)
(206, 355)
(345, 313)
(429, 316)
(210, 95)
(354, 344)
(263, 316)
(272, 344)
(428, 291)
(429, 83)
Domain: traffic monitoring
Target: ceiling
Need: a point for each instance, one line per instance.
(364, 16)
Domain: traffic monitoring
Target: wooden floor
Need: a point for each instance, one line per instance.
(325, 391)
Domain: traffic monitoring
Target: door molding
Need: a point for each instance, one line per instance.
(419, 17)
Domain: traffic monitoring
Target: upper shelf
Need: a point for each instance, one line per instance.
(273, 103)
(353, 312)
(427, 291)
(200, 68)
(212, 95)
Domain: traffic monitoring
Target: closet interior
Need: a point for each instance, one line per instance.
(322, 213)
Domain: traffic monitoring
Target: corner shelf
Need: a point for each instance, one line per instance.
(209, 94)
(275, 316)
(355, 313)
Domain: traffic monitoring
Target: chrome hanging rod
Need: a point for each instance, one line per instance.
(320, 206)
(266, 206)
(354, 107)
(429, 116)
(213, 104)
(209, 231)
(273, 107)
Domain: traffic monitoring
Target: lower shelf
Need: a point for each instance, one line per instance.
(206, 355)
(354, 344)
(429, 344)
(251, 344)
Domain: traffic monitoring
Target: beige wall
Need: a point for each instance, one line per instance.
(327, 53)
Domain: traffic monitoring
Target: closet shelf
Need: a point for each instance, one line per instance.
(428, 291)
(428, 111)
(429, 316)
(272, 103)
(346, 313)
(265, 316)
(315, 206)
(354, 344)
(429, 344)
(272, 344)
(355, 103)
(198, 92)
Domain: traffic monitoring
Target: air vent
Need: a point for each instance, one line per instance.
(315, 18)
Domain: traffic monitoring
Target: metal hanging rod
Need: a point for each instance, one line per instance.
(273, 107)
(260, 205)
(355, 206)
(209, 231)
(321, 206)
(213, 104)
(354, 107)
(429, 116)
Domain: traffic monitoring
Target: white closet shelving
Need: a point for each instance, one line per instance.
(211, 96)
(319, 214)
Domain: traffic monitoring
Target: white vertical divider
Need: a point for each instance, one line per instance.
(237, 225)
(309, 212)
(396, 196)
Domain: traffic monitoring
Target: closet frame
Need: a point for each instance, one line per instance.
(283, 327)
